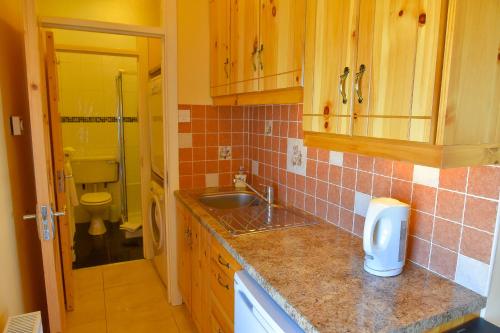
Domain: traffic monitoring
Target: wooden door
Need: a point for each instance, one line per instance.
(281, 51)
(58, 168)
(220, 66)
(244, 74)
(396, 70)
(43, 169)
(332, 27)
(184, 254)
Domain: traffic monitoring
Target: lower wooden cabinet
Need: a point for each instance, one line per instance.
(205, 275)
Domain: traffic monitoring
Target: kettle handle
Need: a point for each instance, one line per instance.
(370, 224)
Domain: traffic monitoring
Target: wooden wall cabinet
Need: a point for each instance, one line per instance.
(205, 275)
(409, 80)
(257, 46)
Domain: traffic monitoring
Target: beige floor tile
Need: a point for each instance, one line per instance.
(93, 327)
(166, 325)
(136, 299)
(89, 307)
(128, 273)
(183, 319)
(87, 280)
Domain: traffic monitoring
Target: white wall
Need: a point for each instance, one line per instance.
(10, 277)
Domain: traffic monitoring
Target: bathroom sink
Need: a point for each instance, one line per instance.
(229, 200)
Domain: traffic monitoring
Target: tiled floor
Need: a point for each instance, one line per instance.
(124, 297)
(109, 248)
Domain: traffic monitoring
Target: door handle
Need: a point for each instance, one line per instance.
(357, 85)
(342, 80)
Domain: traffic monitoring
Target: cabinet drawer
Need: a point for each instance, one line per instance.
(223, 259)
(222, 288)
(219, 322)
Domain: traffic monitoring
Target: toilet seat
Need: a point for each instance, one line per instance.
(95, 198)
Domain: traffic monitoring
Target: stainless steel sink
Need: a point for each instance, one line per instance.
(229, 200)
(242, 212)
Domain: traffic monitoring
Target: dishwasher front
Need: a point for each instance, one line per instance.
(255, 311)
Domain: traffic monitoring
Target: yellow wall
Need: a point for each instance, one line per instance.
(94, 39)
(10, 278)
(193, 52)
(140, 12)
(11, 298)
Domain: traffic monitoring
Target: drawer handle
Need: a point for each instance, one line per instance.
(223, 262)
(219, 280)
(342, 89)
(225, 68)
(359, 76)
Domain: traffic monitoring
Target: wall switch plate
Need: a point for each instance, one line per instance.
(16, 125)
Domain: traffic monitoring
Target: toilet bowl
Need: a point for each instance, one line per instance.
(96, 204)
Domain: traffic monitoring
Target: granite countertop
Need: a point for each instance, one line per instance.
(316, 275)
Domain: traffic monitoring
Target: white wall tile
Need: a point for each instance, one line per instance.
(212, 179)
(426, 175)
(472, 274)
(255, 167)
(184, 116)
(268, 129)
(336, 158)
(361, 202)
(296, 156)
(185, 140)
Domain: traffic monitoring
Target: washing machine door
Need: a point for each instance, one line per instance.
(156, 224)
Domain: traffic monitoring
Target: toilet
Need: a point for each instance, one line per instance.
(96, 204)
(92, 172)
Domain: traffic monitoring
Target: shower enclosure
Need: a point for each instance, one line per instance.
(128, 149)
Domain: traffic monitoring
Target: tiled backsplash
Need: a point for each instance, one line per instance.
(454, 211)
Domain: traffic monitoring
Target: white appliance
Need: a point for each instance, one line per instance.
(158, 229)
(255, 311)
(385, 236)
(155, 102)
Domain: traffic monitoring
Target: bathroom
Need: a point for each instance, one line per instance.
(102, 80)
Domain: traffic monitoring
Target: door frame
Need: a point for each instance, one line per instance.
(167, 33)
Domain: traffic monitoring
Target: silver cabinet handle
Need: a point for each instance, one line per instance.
(29, 217)
(223, 262)
(63, 213)
(225, 68)
(260, 56)
(222, 284)
(342, 80)
(357, 84)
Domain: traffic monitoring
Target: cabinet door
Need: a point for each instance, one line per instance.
(220, 28)
(395, 79)
(244, 46)
(196, 271)
(281, 50)
(184, 254)
(332, 28)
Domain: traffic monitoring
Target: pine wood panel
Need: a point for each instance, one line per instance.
(58, 167)
(470, 104)
(184, 254)
(398, 46)
(196, 274)
(244, 46)
(220, 66)
(334, 23)
(42, 161)
(282, 29)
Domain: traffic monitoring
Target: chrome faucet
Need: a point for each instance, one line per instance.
(268, 195)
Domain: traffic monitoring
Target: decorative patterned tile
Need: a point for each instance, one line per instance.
(296, 156)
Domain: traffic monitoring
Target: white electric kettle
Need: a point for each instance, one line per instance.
(385, 236)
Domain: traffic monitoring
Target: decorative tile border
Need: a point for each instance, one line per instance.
(97, 119)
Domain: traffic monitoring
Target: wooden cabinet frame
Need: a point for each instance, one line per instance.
(457, 86)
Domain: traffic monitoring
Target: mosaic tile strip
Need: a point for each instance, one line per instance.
(97, 119)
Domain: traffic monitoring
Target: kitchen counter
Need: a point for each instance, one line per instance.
(316, 275)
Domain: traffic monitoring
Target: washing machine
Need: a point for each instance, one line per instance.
(158, 229)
